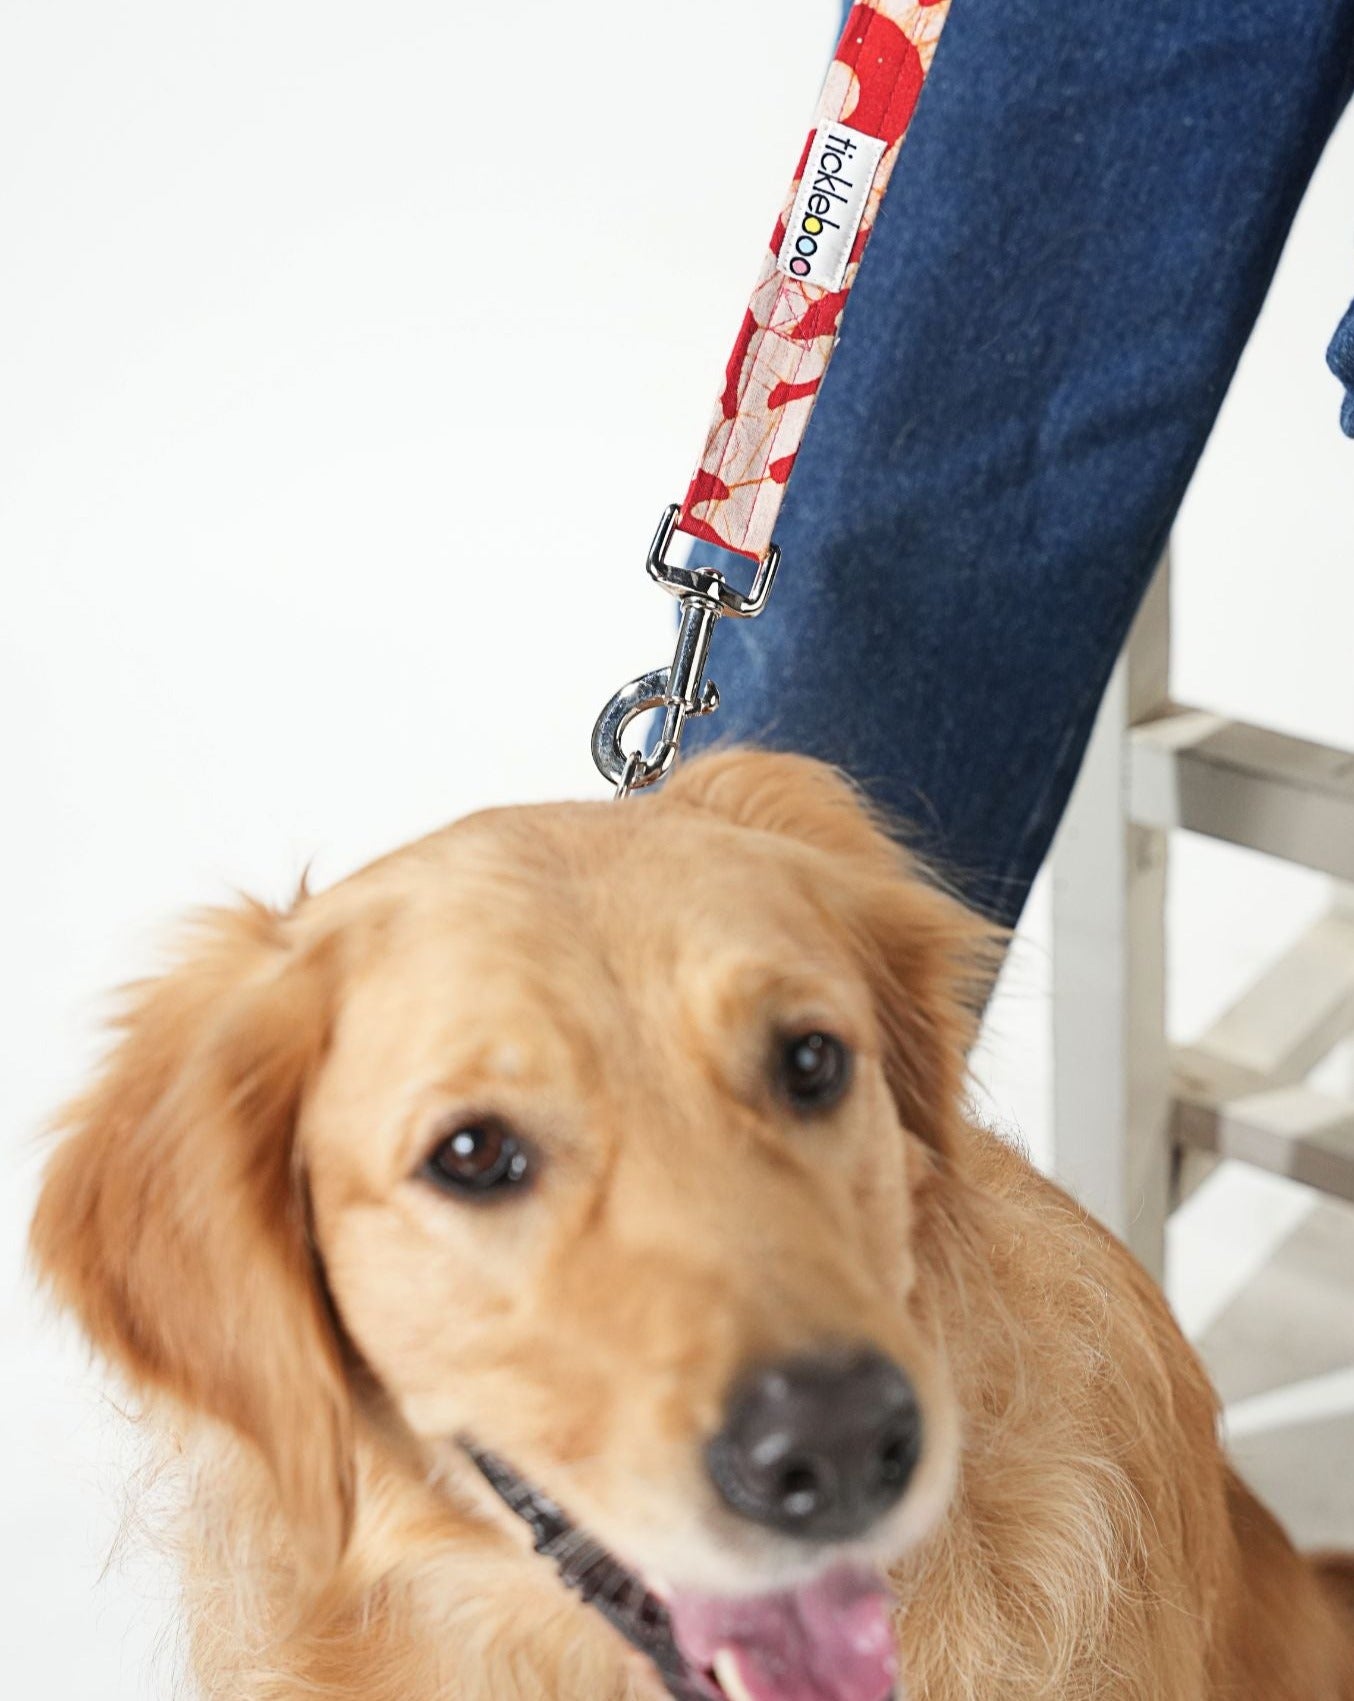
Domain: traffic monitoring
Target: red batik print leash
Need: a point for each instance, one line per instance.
(777, 365)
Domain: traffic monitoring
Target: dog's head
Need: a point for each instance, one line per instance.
(595, 1134)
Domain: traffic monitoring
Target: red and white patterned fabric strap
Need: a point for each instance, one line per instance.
(790, 328)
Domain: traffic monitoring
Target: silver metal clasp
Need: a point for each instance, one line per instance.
(681, 690)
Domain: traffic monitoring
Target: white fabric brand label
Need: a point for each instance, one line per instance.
(830, 205)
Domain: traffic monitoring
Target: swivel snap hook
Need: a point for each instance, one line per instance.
(681, 690)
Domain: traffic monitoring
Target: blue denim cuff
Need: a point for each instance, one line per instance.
(1340, 359)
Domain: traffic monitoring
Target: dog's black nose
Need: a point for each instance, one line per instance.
(819, 1447)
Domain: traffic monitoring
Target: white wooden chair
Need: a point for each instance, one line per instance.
(1136, 1123)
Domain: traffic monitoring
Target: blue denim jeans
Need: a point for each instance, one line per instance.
(1078, 238)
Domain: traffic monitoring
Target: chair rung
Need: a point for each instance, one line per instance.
(1292, 1131)
(1288, 797)
(1282, 1026)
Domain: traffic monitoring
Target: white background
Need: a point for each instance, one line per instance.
(328, 465)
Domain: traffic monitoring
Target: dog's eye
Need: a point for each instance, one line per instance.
(479, 1157)
(814, 1070)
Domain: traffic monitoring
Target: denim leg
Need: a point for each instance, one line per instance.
(1340, 359)
(1079, 235)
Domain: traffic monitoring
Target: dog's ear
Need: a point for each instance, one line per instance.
(173, 1216)
(931, 960)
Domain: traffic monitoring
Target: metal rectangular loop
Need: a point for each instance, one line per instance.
(706, 581)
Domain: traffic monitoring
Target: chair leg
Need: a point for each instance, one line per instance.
(1111, 1083)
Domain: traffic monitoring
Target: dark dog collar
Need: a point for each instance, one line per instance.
(601, 1580)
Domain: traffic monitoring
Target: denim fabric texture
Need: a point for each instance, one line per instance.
(1340, 357)
(1070, 258)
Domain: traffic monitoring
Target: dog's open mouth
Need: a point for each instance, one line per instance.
(830, 1639)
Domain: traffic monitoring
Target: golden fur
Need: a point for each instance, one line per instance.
(234, 1218)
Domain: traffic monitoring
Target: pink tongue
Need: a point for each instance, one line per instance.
(830, 1640)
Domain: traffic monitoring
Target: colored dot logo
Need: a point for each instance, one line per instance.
(829, 205)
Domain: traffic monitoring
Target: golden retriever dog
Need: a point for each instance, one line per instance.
(613, 1159)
